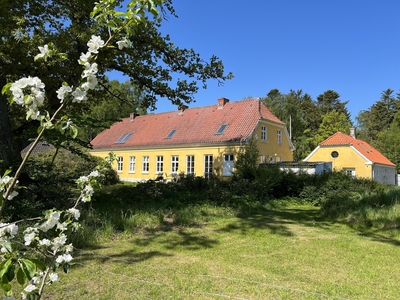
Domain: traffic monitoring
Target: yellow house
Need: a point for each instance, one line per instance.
(200, 141)
(355, 157)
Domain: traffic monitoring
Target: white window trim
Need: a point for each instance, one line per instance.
(174, 164)
(159, 163)
(264, 131)
(279, 137)
(187, 164)
(120, 164)
(145, 159)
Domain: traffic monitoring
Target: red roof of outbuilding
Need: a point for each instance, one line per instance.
(193, 126)
(342, 139)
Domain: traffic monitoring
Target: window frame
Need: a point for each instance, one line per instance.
(208, 165)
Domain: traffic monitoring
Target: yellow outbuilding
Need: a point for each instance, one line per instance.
(199, 141)
(355, 157)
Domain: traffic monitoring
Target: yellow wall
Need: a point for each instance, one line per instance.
(348, 158)
(269, 148)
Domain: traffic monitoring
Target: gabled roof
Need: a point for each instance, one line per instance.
(197, 125)
(342, 139)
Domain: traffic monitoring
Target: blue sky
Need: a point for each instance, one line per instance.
(350, 46)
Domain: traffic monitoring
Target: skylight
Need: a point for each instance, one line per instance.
(124, 138)
(222, 128)
(171, 133)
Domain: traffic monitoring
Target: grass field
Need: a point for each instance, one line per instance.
(278, 252)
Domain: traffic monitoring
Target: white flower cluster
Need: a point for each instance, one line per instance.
(84, 182)
(4, 183)
(29, 92)
(35, 282)
(7, 232)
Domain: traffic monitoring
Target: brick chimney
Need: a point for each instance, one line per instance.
(353, 132)
(222, 102)
(133, 116)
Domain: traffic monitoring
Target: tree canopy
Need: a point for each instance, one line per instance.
(150, 59)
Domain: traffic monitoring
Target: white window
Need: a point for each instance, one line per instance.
(190, 164)
(132, 164)
(228, 165)
(145, 166)
(263, 133)
(120, 163)
(208, 165)
(159, 164)
(174, 164)
(279, 136)
(350, 171)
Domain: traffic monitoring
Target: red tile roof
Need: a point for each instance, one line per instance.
(341, 139)
(193, 126)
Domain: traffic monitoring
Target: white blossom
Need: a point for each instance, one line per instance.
(52, 220)
(44, 242)
(94, 174)
(79, 95)
(63, 258)
(29, 237)
(58, 242)
(90, 83)
(8, 230)
(84, 58)
(63, 91)
(30, 288)
(123, 44)
(69, 248)
(44, 52)
(62, 226)
(83, 179)
(75, 212)
(12, 195)
(53, 277)
(95, 43)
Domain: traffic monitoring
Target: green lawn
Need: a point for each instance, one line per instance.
(277, 253)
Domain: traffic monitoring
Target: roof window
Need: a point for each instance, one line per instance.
(171, 133)
(124, 138)
(221, 129)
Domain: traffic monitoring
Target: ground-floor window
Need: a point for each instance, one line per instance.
(120, 163)
(132, 164)
(174, 164)
(228, 164)
(190, 164)
(350, 171)
(145, 165)
(159, 164)
(208, 165)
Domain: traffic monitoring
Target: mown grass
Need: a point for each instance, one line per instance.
(156, 248)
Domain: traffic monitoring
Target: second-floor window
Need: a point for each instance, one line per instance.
(279, 136)
(263, 133)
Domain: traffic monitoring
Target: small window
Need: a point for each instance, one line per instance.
(222, 129)
(334, 154)
(171, 133)
(124, 138)
(208, 165)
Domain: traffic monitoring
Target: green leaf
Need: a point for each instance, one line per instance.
(21, 277)
(29, 267)
(73, 131)
(6, 287)
(6, 88)
(11, 272)
(4, 266)
(39, 264)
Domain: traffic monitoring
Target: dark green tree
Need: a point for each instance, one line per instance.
(151, 63)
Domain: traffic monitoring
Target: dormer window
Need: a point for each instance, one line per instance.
(221, 129)
(171, 133)
(124, 138)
